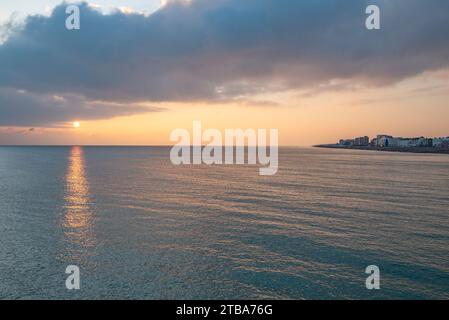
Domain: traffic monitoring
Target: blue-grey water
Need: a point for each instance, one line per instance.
(140, 228)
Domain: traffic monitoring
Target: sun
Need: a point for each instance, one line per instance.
(76, 124)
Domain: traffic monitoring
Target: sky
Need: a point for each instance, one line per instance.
(308, 68)
(23, 8)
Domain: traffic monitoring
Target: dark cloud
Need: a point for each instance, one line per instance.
(21, 108)
(221, 50)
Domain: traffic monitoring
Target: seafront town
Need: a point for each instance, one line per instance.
(385, 142)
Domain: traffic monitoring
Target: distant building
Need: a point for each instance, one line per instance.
(404, 142)
(361, 141)
(413, 142)
(385, 141)
(440, 142)
(422, 142)
(346, 142)
(428, 142)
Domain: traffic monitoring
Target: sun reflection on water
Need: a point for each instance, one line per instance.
(78, 219)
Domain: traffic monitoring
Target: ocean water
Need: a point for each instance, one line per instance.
(140, 228)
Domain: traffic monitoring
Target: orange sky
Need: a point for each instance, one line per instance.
(413, 107)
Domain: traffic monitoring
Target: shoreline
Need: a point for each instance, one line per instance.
(388, 149)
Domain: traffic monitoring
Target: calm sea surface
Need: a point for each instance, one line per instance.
(139, 227)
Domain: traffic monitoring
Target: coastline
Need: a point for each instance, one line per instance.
(387, 149)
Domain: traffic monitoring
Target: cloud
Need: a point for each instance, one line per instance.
(22, 108)
(204, 50)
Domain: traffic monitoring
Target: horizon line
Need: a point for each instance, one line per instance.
(134, 145)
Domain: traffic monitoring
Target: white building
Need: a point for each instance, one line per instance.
(386, 141)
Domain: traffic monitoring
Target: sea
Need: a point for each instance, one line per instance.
(139, 227)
